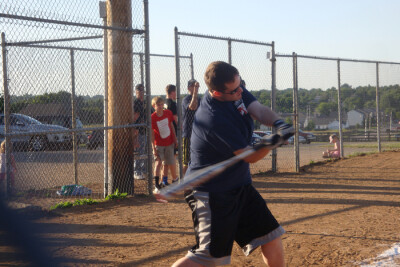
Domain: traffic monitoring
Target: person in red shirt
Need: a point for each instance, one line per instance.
(164, 141)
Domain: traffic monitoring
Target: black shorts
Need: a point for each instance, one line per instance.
(219, 219)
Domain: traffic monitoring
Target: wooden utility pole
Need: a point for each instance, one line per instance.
(120, 98)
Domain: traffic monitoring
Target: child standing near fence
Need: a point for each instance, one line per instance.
(163, 140)
(335, 152)
(3, 167)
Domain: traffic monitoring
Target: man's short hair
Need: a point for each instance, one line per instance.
(139, 87)
(218, 73)
(191, 82)
(170, 88)
(157, 100)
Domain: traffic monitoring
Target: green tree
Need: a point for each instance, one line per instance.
(288, 120)
(310, 126)
(325, 108)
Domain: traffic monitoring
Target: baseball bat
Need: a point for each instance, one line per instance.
(207, 173)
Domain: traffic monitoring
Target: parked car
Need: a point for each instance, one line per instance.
(308, 136)
(302, 140)
(20, 123)
(262, 133)
(255, 139)
(95, 139)
(67, 123)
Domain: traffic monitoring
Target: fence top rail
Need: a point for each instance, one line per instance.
(64, 48)
(75, 130)
(84, 49)
(161, 55)
(337, 59)
(85, 25)
(26, 43)
(223, 38)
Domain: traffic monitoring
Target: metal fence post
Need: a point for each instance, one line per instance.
(273, 99)
(141, 68)
(191, 66)
(230, 51)
(6, 115)
(296, 114)
(340, 110)
(148, 96)
(378, 113)
(103, 14)
(73, 107)
(179, 100)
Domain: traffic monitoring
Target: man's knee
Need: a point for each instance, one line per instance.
(273, 253)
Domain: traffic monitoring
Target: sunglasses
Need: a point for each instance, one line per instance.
(233, 91)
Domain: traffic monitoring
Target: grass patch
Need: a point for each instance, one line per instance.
(77, 202)
(88, 201)
(116, 195)
(390, 146)
(62, 205)
(370, 145)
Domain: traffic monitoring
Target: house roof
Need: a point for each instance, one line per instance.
(322, 120)
(365, 111)
(51, 109)
(325, 120)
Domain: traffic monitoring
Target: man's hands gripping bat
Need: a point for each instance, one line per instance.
(205, 174)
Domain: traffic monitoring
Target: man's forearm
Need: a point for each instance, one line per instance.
(193, 103)
(262, 113)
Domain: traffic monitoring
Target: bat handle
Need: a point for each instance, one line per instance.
(273, 140)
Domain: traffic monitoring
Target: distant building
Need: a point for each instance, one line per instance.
(356, 116)
(321, 123)
(51, 113)
(302, 117)
(330, 122)
(334, 125)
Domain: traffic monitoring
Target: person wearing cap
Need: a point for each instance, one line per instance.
(190, 105)
(170, 103)
(139, 117)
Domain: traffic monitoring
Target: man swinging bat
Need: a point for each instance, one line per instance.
(228, 208)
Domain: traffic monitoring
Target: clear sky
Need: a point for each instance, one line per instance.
(356, 29)
(350, 29)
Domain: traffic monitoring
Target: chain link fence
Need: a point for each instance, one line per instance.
(365, 105)
(68, 106)
(68, 75)
(163, 71)
(250, 57)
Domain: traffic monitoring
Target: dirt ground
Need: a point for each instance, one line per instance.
(337, 213)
